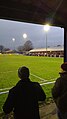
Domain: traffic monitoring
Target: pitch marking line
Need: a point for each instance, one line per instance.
(30, 74)
(4, 92)
(47, 83)
(38, 77)
(5, 89)
(40, 84)
(6, 72)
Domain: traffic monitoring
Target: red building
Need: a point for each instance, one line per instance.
(51, 52)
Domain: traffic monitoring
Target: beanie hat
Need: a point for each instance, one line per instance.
(64, 66)
(23, 72)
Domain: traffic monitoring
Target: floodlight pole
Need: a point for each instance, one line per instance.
(24, 35)
(46, 42)
(46, 29)
(13, 39)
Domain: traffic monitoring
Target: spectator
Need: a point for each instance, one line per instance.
(59, 92)
(23, 98)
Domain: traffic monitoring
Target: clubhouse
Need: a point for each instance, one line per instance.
(51, 52)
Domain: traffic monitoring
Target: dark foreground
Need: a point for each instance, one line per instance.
(47, 111)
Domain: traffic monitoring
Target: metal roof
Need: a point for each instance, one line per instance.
(48, 49)
(35, 11)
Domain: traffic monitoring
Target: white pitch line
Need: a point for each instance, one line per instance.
(40, 84)
(30, 74)
(6, 72)
(38, 77)
(53, 79)
(4, 92)
(47, 83)
(5, 89)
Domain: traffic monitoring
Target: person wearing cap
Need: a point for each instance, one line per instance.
(59, 92)
(23, 98)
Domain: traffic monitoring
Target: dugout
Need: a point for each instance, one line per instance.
(38, 12)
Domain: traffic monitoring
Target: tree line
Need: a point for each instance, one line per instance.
(26, 47)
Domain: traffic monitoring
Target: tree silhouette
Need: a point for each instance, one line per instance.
(28, 46)
(1, 48)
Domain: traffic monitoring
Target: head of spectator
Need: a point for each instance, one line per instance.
(64, 67)
(23, 73)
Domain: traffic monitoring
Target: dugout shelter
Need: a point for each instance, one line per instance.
(53, 12)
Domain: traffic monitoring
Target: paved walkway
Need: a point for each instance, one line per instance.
(48, 111)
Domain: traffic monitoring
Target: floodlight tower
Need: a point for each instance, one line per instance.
(13, 39)
(46, 29)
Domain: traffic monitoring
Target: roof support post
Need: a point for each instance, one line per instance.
(65, 45)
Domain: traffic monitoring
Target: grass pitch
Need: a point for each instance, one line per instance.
(42, 69)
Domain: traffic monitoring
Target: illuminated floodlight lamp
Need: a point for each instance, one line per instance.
(13, 39)
(24, 35)
(46, 27)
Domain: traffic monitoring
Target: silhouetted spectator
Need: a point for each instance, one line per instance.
(23, 98)
(59, 93)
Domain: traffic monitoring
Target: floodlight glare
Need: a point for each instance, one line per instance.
(13, 39)
(25, 35)
(46, 27)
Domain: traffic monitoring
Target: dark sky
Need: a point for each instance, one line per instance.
(35, 33)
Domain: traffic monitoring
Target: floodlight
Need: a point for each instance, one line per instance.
(46, 27)
(24, 35)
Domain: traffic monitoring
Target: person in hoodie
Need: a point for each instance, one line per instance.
(59, 92)
(23, 98)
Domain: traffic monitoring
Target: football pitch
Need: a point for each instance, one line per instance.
(42, 70)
